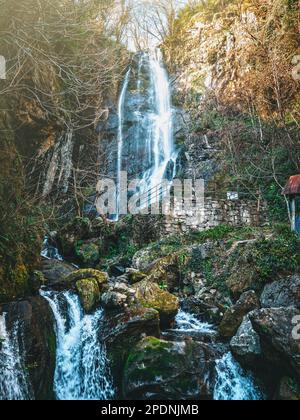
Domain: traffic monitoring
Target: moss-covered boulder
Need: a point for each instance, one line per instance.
(89, 293)
(252, 264)
(100, 277)
(123, 330)
(166, 272)
(88, 253)
(158, 369)
(150, 295)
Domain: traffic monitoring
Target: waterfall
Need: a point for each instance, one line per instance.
(163, 146)
(120, 138)
(233, 383)
(14, 384)
(188, 323)
(82, 371)
(146, 147)
(49, 251)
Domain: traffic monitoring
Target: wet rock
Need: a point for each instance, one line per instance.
(150, 295)
(38, 342)
(89, 293)
(289, 390)
(279, 337)
(123, 330)
(245, 345)
(235, 315)
(55, 271)
(163, 370)
(282, 293)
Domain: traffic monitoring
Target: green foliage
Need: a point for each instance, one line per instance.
(269, 258)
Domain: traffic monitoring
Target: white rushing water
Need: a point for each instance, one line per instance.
(153, 152)
(121, 106)
(189, 323)
(163, 142)
(82, 371)
(50, 251)
(233, 383)
(14, 384)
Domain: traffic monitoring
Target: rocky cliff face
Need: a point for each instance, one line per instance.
(233, 72)
(36, 338)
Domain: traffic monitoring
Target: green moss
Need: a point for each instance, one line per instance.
(99, 276)
(89, 293)
(87, 252)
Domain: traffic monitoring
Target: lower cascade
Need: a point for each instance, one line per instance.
(14, 384)
(82, 371)
(187, 322)
(233, 383)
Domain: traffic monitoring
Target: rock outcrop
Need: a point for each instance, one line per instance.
(37, 340)
(234, 316)
(245, 345)
(158, 369)
(56, 271)
(282, 293)
(279, 338)
(150, 295)
(123, 330)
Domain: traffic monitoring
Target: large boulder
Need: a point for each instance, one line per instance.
(279, 337)
(245, 345)
(90, 284)
(158, 369)
(37, 341)
(55, 271)
(89, 293)
(100, 277)
(282, 293)
(150, 295)
(235, 315)
(123, 330)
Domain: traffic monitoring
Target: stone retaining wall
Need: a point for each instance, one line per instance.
(215, 213)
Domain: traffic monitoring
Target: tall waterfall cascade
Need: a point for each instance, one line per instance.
(146, 149)
(14, 383)
(82, 370)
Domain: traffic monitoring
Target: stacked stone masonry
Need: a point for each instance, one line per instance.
(214, 213)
